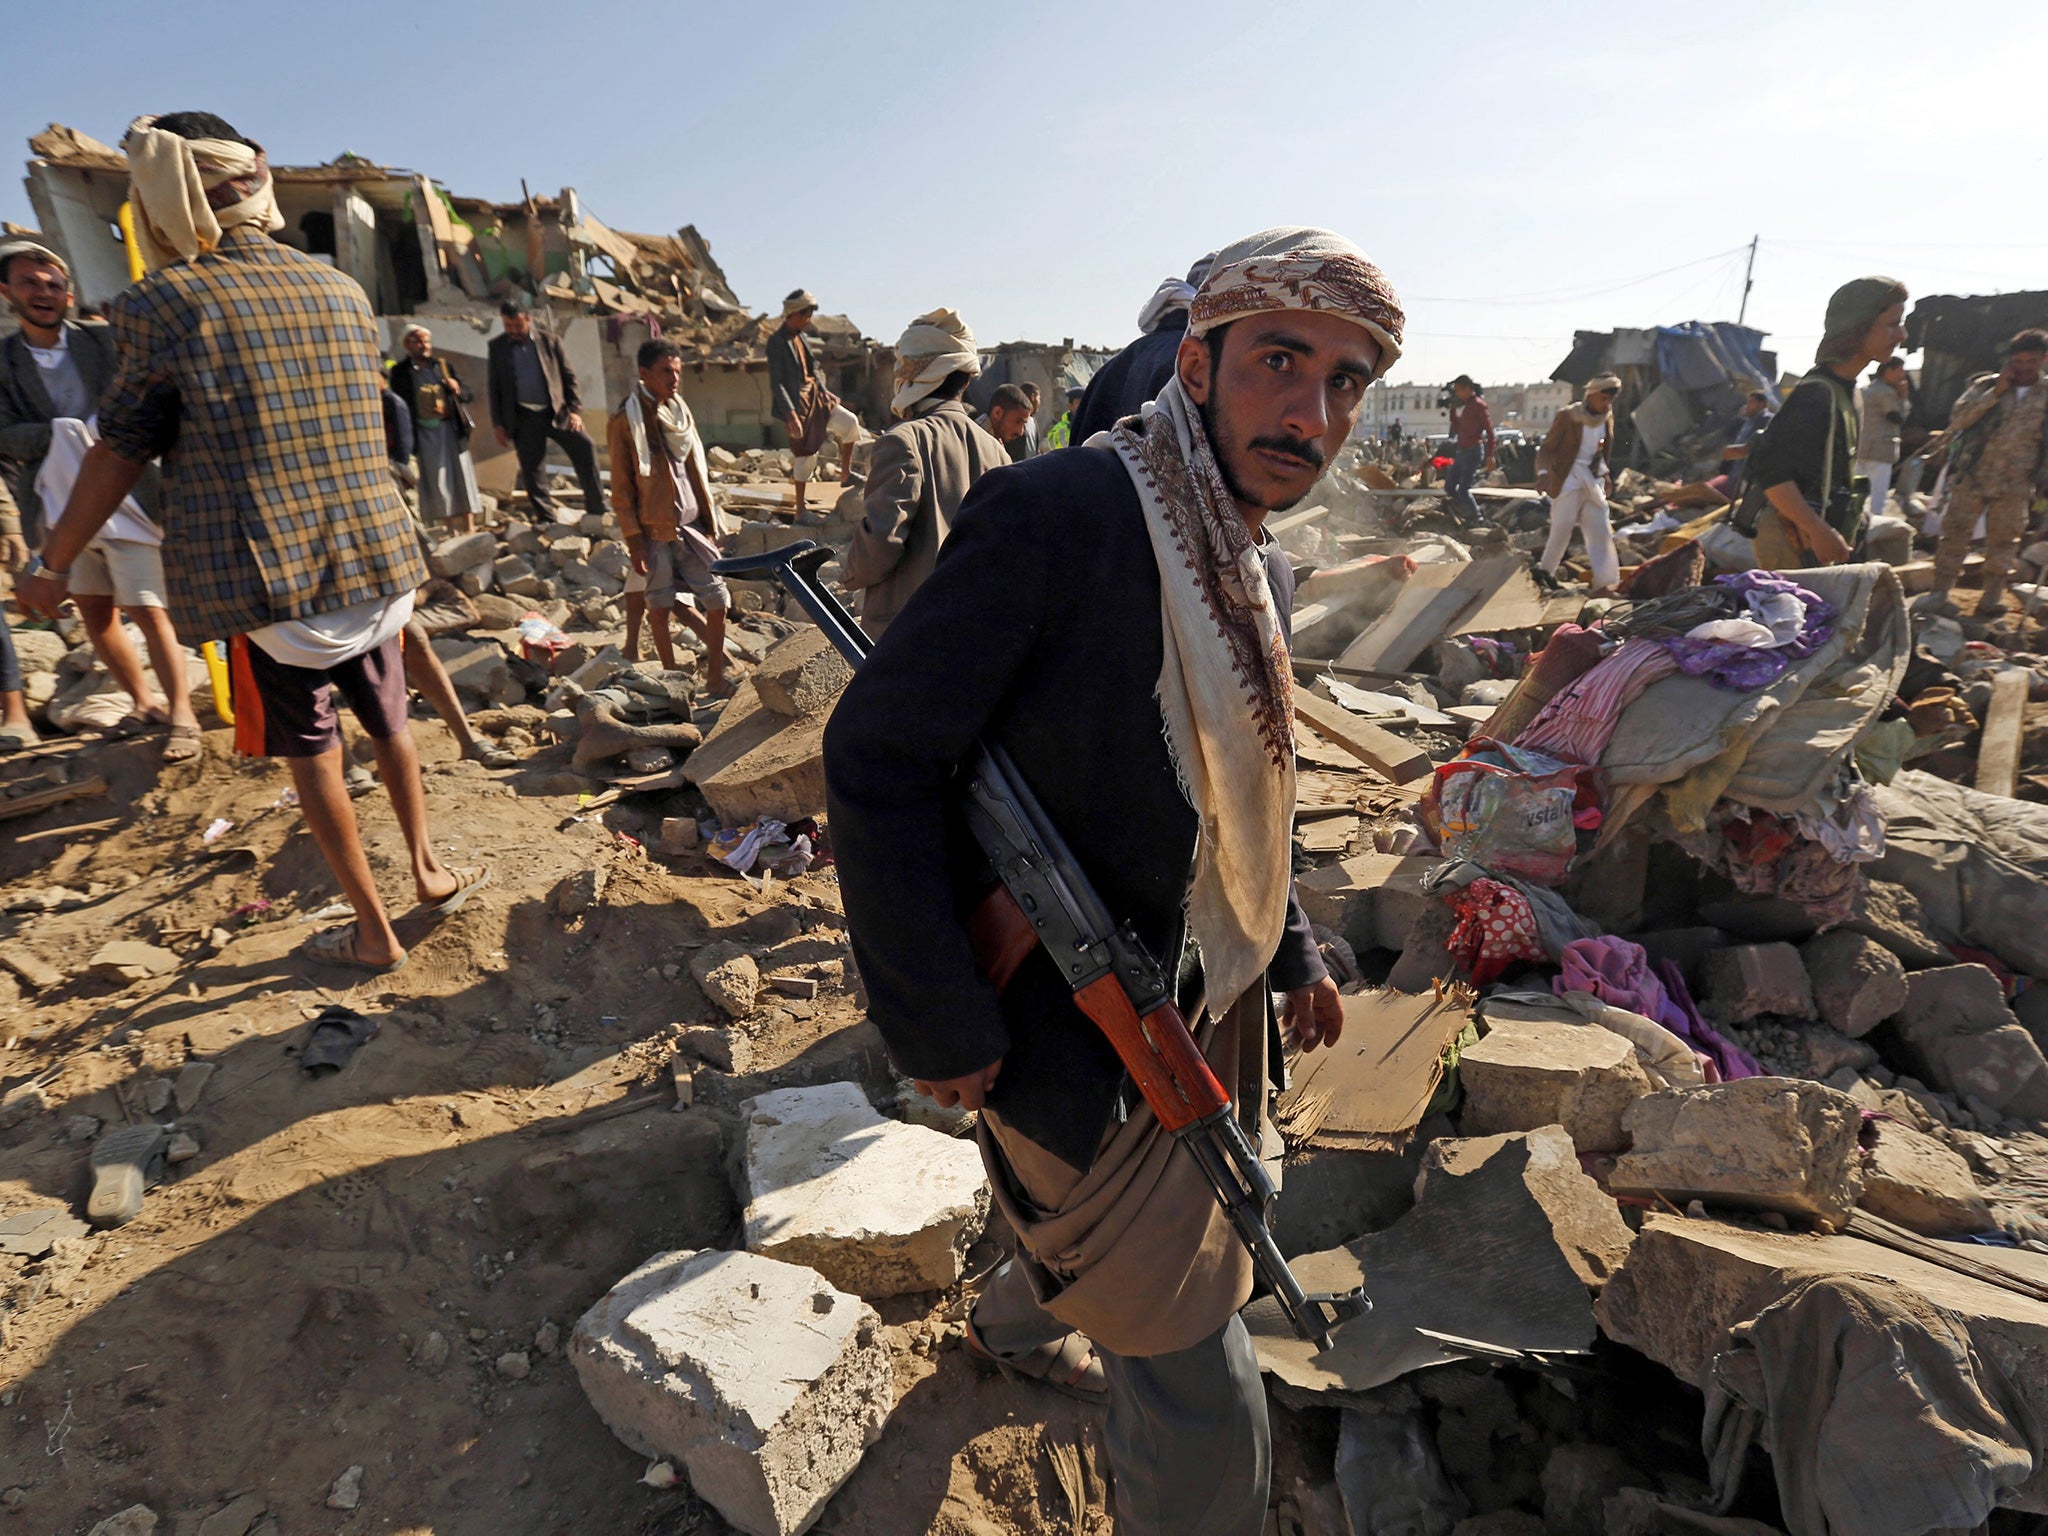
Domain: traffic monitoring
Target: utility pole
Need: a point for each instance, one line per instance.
(1748, 281)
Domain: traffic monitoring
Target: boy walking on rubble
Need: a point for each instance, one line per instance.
(661, 492)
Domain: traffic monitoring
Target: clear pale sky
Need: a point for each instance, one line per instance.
(1518, 171)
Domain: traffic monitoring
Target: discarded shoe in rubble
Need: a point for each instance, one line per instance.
(125, 1163)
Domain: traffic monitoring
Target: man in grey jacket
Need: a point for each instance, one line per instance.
(1881, 413)
(923, 467)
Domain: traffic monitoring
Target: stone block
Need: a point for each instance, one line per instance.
(803, 676)
(877, 1207)
(1527, 1074)
(581, 577)
(757, 762)
(1892, 915)
(1857, 982)
(1333, 1197)
(1914, 1180)
(762, 1382)
(678, 834)
(510, 568)
(126, 960)
(464, 552)
(729, 977)
(1758, 1143)
(1370, 901)
(494, 612)
(479, 669)
(1584, 1221)
(1578, 1480)
(567, 549)
(611, 559)
(597, 670)
(1746, 980)
(1956, 1033)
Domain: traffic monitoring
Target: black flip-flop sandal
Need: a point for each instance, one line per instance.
(337, 1034)
(125, 1163)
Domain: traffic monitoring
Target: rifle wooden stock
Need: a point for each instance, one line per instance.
(1158, 1050)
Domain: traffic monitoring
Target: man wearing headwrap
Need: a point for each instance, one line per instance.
(810, 413)
(1803, 464)
(252, 372)
(923, 467)
(1116, 616)
(1572, 468)
(1137, 374)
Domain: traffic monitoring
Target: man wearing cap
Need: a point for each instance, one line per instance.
(1061, 433)
(1572, 469)
(52, 375)
(252, 371)
(1471, 445)
(923, 467)
(1145, 695)
(534, 401)
(809, 412)
(435, 397)
(1998, 463)
(1803, 467)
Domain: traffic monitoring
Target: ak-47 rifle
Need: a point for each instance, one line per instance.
(1045, 900)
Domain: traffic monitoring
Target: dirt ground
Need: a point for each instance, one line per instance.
(492, 1161)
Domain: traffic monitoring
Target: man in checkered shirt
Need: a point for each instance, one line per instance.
(251, 371)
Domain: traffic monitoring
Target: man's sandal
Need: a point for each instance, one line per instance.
(1068, 1364)
(183, 744)
(469, 879)
(337, 946)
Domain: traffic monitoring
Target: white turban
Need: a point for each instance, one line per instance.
(187, 193)
(936, 345)
(1300, 268)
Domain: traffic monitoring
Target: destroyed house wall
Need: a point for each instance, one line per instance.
(1054, 369)
(1962, 337)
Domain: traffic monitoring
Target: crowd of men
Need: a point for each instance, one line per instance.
(1142, 692)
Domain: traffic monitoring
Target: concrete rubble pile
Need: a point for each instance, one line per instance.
(1757, 955)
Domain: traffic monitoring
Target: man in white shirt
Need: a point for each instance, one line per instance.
(55, 369)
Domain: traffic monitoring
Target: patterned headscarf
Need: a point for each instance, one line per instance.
(187, 193)
(1300, 268)
(935, 346)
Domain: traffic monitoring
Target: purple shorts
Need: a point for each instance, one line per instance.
(299, 718)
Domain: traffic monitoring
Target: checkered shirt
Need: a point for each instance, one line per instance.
(253, 374)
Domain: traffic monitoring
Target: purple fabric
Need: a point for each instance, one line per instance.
(1618, 973)
(1742, 668)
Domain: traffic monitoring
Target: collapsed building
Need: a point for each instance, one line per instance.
(1681, 387)
(1958, 338)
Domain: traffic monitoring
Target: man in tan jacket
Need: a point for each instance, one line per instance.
(923, 468)
(662, 495)
(1572, 469)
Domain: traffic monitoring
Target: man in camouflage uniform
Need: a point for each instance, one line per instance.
(1998, 461)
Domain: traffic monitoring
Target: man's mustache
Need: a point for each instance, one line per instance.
(1296, 447)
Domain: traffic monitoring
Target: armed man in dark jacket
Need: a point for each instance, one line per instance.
(1145, 694)
(534, 401)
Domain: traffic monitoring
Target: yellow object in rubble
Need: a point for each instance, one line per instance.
(216, 656)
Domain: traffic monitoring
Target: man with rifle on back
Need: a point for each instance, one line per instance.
(1144, 696)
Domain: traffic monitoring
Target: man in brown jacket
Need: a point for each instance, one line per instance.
(662, 496)
(1572, 469)
(923, 467)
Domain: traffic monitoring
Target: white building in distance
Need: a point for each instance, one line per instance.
(1526, 408)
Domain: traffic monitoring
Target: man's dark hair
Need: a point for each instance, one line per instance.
(1011, 396)
(201, 125)
(1031, 391)
(508, 309)
(652, 352)
(1890, 363)
(953, 385)
(2027, 341)
(1760, 394)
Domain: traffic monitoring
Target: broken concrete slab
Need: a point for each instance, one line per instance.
(129, 960)
(479, 669)
(1758, 1143)
(1747, 980)
(804, 676)
(1955, 1032)
(1585, 1223)
(1913, 1180)
(878, 1207)
(1491, 1211)
(1529, 1073)
(758, 762)
(1857, 982)
(1368, 1092)
(758, 1378)
(1370, 901)
(191, 1083)
(34, 1233)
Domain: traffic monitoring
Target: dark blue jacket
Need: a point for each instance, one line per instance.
(1040, 627)
(1129, 379)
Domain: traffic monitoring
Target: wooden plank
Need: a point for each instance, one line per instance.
(1381, 751)
(1369, 1091)
(1998, 750)
(43, 799)
(1294, 520)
